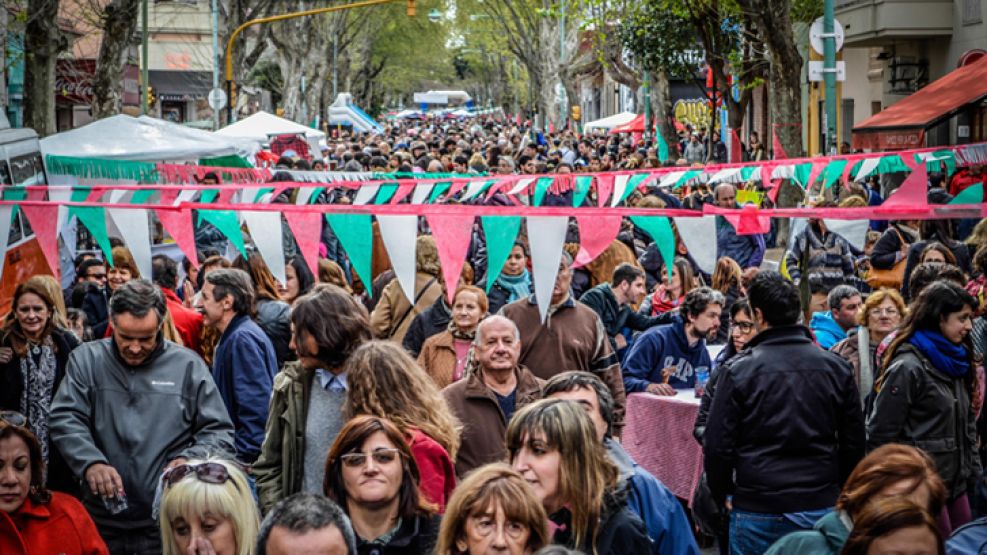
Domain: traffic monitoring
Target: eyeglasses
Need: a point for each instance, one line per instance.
(744, 327)
(884, 311)
(13, 418)
(208, 472)
(484, 526)
(380, 456)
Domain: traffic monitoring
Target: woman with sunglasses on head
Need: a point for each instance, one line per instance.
(927, 396)
(554, 446)
(384, 381)
(33, 353)
(372, 474)
(207, 508)
(493, 510)
(34, 520)
(880, 315)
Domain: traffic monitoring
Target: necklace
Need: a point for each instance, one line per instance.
(35, 347)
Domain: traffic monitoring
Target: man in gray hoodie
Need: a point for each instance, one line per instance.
(130, 407)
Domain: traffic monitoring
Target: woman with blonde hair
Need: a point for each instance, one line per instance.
(554, 446)
(890, 471)
(384, 381)
(727, 279)
(50, 284)
(444, 356)
(332, 272)
(494, 508)
(880, 315)
(207, 507)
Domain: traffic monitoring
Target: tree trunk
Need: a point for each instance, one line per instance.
(661, 104)
(119, 22)
(42, 42)
(3, 61)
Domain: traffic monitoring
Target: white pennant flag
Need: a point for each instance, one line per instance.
(59, 195)
(670, 179)
(867, 166)
(619, 186)
(473, 189)
(133, 226)
(854, 231)
(546, 237)
(399, 234)
(699, 236)
(6, 212)
(268, 235)
(304, 193)
(522, 184)
(421, 193)
(365, 194)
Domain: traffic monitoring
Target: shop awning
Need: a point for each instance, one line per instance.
(903, 124)
(180, 85)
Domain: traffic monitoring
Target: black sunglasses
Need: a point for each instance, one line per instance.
(13, 418)
(209, 472)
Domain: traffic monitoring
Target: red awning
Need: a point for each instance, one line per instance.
(903, 124)
(636, 125)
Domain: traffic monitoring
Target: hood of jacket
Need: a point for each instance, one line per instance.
(827, 331)
(834, 529)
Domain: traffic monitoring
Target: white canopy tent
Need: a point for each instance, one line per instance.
(610, 122)
(146, 139)
(261, 126)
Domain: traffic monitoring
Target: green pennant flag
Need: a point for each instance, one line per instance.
(438, 190)
(660, 229)
(749, 172)
(226, 221)
(892, 164)
(833, 171)
(583, 184)
(500, 233)
(385, 193)
(974, 194)
(632, 184)
(142, 196)
(96, 168)
(355, 233)
(94, 218)
(802, 173)
(932, 163)
(687, 176)
(541, 187)
(662, 146)
(14, 193)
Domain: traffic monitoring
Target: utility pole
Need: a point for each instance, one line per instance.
(215, 59)
(829, 74)
(144, 60)
(563, 111)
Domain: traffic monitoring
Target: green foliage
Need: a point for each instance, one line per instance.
(806, 11)
(659, 39)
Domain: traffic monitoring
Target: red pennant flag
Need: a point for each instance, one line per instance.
(457, 185)
(596, 233)
(604, 186)
(44, 222)
(178, 224)
(913, 191)
(817, 168)
(404, 189)
(749, 222)
(452, 234)
(307, 229)
(776, 144)
(736, 149)
(846, 172)
(767, 169)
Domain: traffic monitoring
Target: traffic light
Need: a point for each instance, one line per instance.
(150, 96)
(411, 8)
(577, 112)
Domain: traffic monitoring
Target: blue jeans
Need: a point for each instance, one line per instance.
(754, 533)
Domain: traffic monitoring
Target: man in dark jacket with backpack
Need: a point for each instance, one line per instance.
(785, 428)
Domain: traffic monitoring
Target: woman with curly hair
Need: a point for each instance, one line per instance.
(384, 381)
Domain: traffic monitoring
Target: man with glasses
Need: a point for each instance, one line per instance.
(130, 407)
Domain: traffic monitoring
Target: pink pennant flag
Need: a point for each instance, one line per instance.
(596, 233)
(817, 168)
(779, 150)
(44, 222)
(457, 185)
(452, 234)
(909, 161)
(767, 169)
(178, 224)
(913, 191)
(307, 229)
(604, 186)
(736, 149)
(846, 172)
(749, 222)
(404, 189)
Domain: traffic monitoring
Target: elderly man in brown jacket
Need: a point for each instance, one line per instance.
(487, 398)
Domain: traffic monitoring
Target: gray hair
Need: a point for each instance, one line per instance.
(304, 512)
(579, 379)
(477, 339)
(138, 297)
(697, 300)
(839, 294)
(235, 283)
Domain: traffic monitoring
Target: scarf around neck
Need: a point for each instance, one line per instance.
(518, 287)
(949, 358)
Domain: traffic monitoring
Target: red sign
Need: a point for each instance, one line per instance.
(74, 83)
(889, 140)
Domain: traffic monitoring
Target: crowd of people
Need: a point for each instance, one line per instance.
(209, 409)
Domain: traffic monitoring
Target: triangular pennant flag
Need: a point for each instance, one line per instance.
(500, 233)
(6, 213)
(912, 192)
(546, 236)
(801, 176)
(355, 234)
(44, 221)
(619, 187)
(307, 229)
(365, 193)
(133, 226)
(178, 224)
(399, 234)
(227, 222)
(854, 231)
(520, 186)
(60, 195)
(817, 168)
(268, 236)
(867, 166)
(736, 148)
(541, 187)
(452, 234)
(748, 172)
(662, 147)
(475, 188)
(457, 185)
(303, 195)
(94, 218)
(632, 185)
(583, 184)
(439, 189)
(596, 233)
(404, 189)
(847, 170)
(687, 176)
(604, 186)
(699, 237)
(660, 229)
(834, 170)
(974, 194)
(386, 192)
(421, 193)
(749, 221)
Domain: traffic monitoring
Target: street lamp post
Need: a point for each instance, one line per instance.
(829, 74)
(230, 112)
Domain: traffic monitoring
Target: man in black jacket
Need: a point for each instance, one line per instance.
(612, 302)
(785, 427)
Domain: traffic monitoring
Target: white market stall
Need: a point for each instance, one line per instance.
(610, 122)
(260, 127)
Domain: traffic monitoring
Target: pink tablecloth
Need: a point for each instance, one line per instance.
(658, 434)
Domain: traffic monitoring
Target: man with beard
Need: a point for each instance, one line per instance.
(667, 358)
